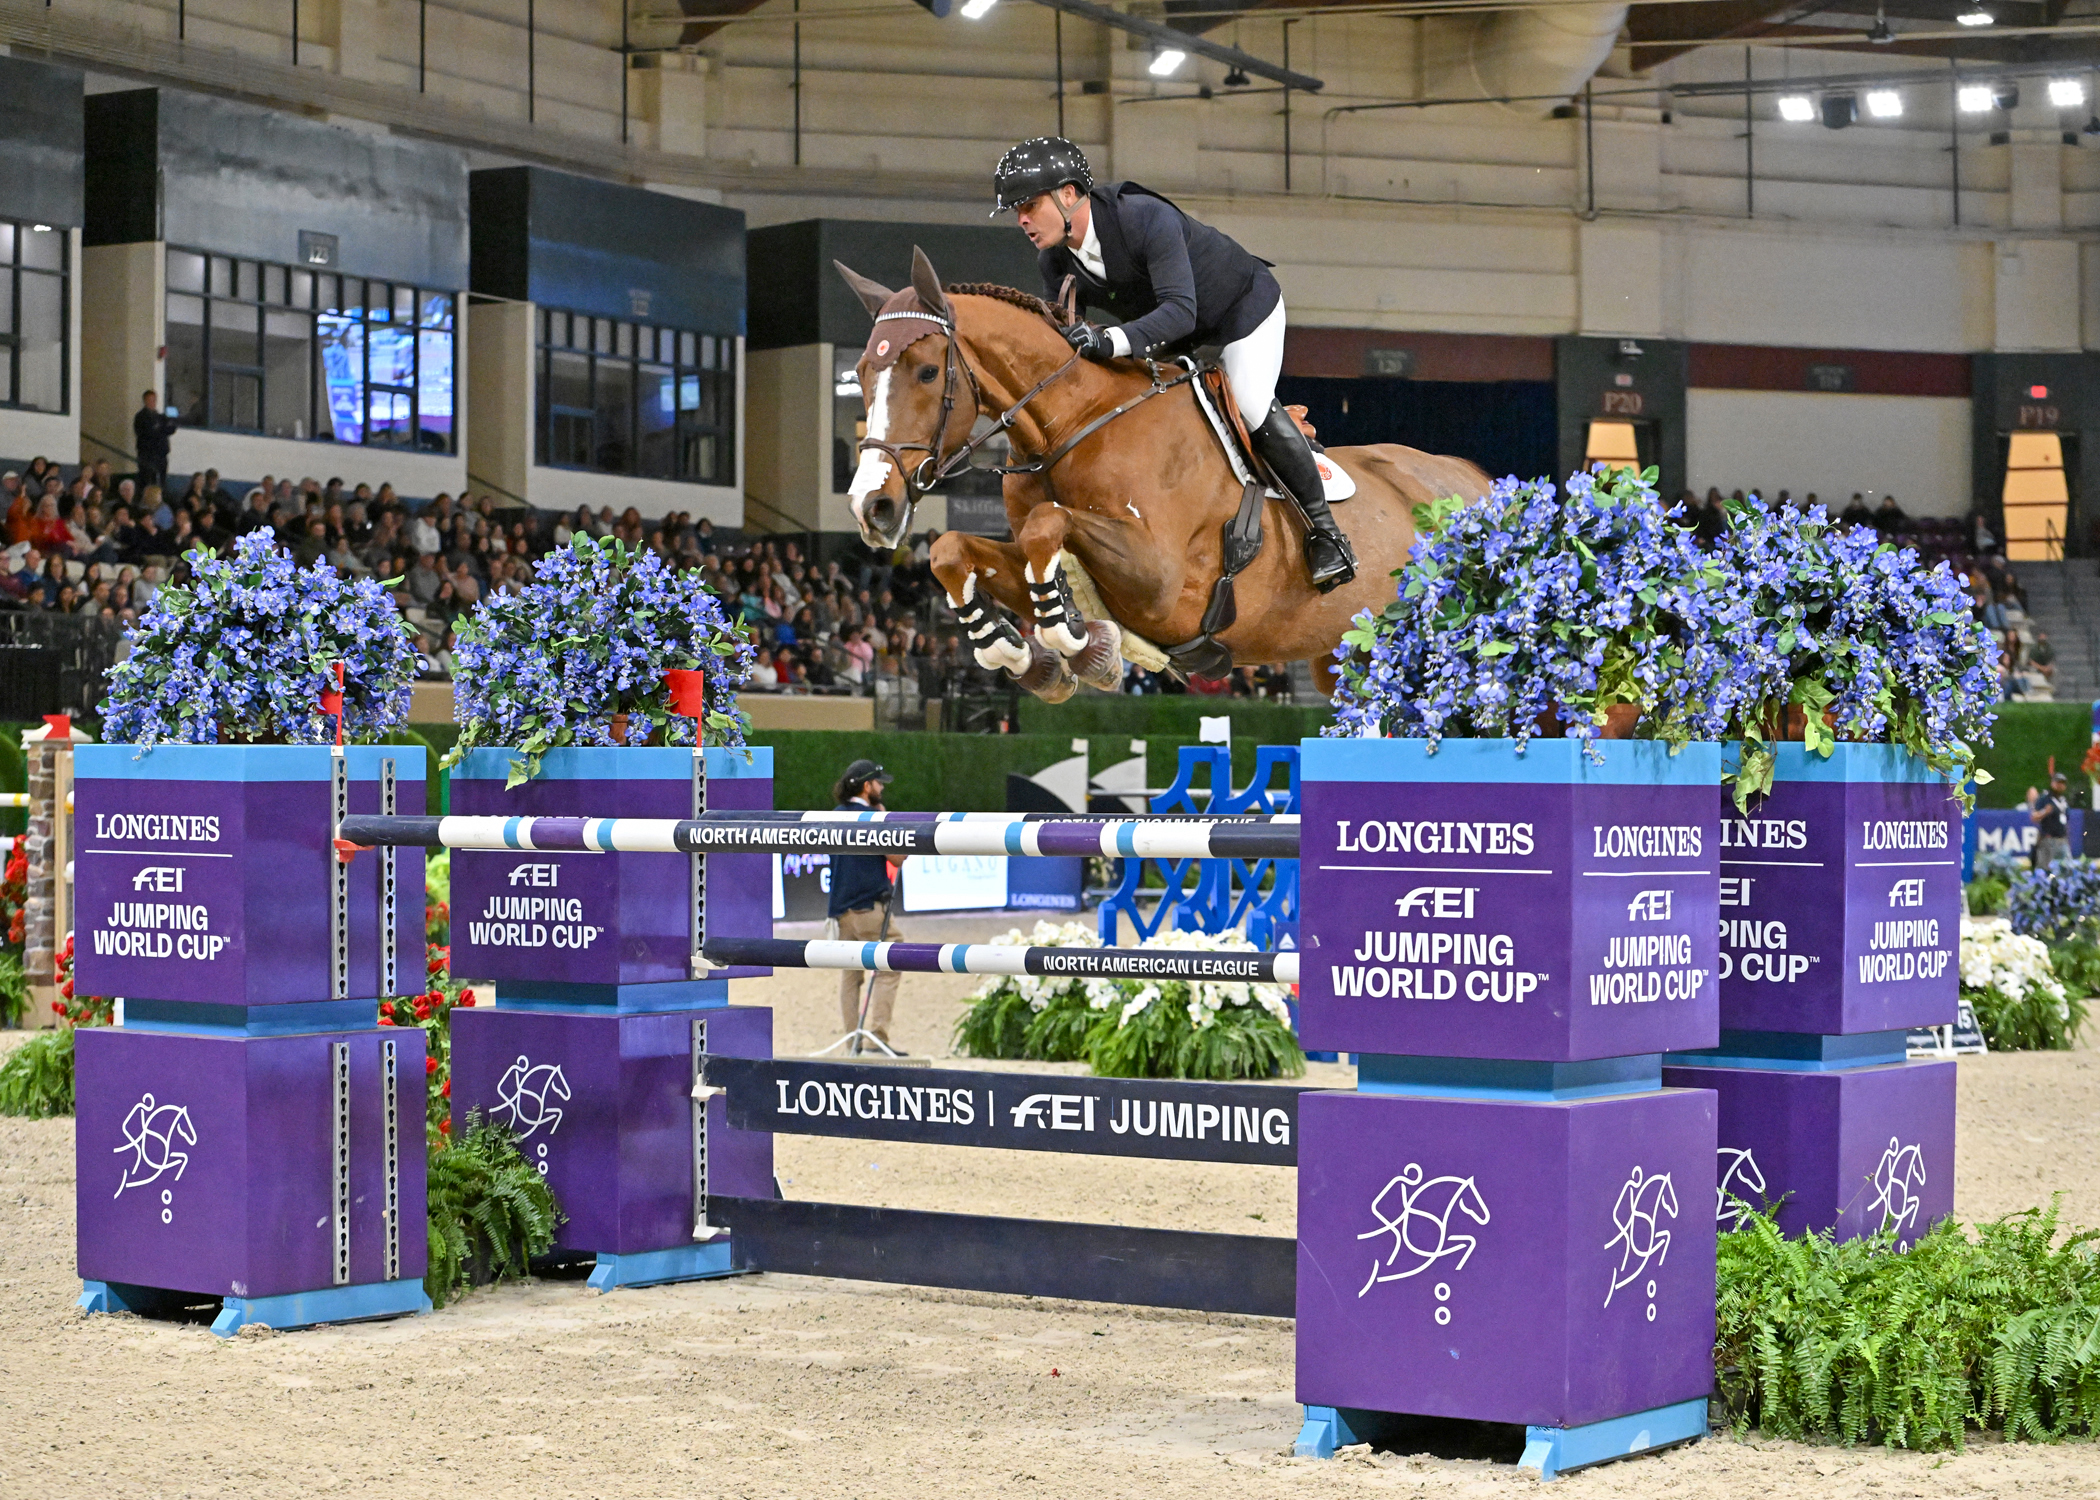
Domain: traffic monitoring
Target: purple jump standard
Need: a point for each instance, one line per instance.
(248, 1132)
(1494, 1226)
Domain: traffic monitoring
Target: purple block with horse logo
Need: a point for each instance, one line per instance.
(601, 1101)
(1841, 896)
(206, 1161)
(204, 873)
(1549, 1262)
(603, 919)
(1844, 1150)
(1479, 903)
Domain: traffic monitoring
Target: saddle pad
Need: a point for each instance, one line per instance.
(1339, 484)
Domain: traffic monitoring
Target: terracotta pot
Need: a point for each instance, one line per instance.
(619, 729)
(1797, 722)
(1618, 723)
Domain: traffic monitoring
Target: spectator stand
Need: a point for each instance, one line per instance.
(1215, 895)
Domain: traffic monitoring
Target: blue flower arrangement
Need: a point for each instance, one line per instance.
(245, 648)
(1538, 611)
(1857, 636)
(589, 639)
(2059, 903)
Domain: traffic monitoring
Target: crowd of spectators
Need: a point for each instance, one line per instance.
(92, 543)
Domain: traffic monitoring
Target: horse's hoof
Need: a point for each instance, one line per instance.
(1047, 676)
(1099, 664)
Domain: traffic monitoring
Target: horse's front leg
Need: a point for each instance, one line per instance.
(979, 575)
(1094, 647)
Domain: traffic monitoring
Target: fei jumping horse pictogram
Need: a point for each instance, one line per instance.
(1642, 1202)
(524, 1095)
(150, 1133)
(1421, 1222)
(1740, 1178)
(1900, 1171)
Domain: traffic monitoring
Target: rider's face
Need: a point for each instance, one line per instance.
(1043, 218)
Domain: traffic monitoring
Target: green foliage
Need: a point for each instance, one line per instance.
(1985, 895)
(995, 1026)
(2025, 741)
(1060, 1030)
(1858, 1342)
(2037, 1022)
(36, 1080)
(1241, 1041)
(2077, 965)
(14, 987)
(490, 1212)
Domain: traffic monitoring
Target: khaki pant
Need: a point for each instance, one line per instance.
(866, 927)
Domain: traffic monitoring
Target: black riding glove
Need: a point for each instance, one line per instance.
(1089, 340)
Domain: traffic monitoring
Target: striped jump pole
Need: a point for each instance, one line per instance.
(1245, 967)
(1262, 837)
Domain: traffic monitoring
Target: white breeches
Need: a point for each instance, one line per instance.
(1252, 364)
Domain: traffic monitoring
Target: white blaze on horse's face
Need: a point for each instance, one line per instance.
(873, 475)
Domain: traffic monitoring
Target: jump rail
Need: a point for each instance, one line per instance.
(1271, 837)
(988, 958)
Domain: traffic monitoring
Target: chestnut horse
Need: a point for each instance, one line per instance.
(1116, 466)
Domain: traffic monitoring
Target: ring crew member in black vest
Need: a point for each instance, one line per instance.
(1174, 285)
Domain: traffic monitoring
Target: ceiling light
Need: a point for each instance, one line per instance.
(974, 10)
(1976, 16)
(1884, 104)
(1797, 107)
(1839, 110)
(1975, 98)
(1237, 79)
(2092, 127)
(2066, 93)
(2007, 96)
(1879, 32)
(1166, 61)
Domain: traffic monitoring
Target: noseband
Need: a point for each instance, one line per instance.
(933, 469)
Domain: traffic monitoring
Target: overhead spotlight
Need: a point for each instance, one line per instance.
(1879, 33)
(2066, 93)
(1975, 98)
(1884, 104)
(1839, 110)
(1975, 16)
(2092, 126)
(1237, 79)
(2007, 96)
(1798, 108)
(974, 10)
(1166, 60)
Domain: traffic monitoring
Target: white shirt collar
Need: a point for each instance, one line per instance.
(1089, 252)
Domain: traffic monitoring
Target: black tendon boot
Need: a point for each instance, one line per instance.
(1284, 449)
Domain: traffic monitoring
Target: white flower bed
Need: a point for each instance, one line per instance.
(1206, 997)
(1993, 956)
(1039, 990)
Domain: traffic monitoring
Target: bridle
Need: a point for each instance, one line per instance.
(933, 469)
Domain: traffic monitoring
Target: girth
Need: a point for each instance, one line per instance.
(1206, 655)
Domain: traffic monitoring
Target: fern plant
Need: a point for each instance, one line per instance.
(490, 1212)
(1857, 1342)
(36, 1081)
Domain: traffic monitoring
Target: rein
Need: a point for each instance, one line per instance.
(932, 469)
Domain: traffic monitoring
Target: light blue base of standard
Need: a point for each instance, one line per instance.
(336, 1304)
(1552, 1451)
(611, 999)
(1494, 1078)
(1797, 1051)
(203, 1018)
(655, 1267)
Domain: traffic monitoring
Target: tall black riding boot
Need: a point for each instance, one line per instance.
(1289, 457)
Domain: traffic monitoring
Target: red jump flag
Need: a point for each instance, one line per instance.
(688, 692)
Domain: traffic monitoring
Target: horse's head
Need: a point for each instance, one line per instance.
(919, 398)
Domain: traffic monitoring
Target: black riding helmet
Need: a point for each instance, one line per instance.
(1042, 165)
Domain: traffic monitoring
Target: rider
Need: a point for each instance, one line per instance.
(1175, 285)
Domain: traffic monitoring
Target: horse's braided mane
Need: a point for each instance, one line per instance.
(1007, 294)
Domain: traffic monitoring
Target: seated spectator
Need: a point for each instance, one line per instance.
(1889, 517)
(47, 531)
(1856, 512)
(24, 579)
(2041, 656)
(763, 673)
(67, 599)
(423, 535)
(21, 512)
(424, 578)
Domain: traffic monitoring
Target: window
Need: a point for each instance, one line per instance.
(629, 398)
(34, 302)
(289, 353)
